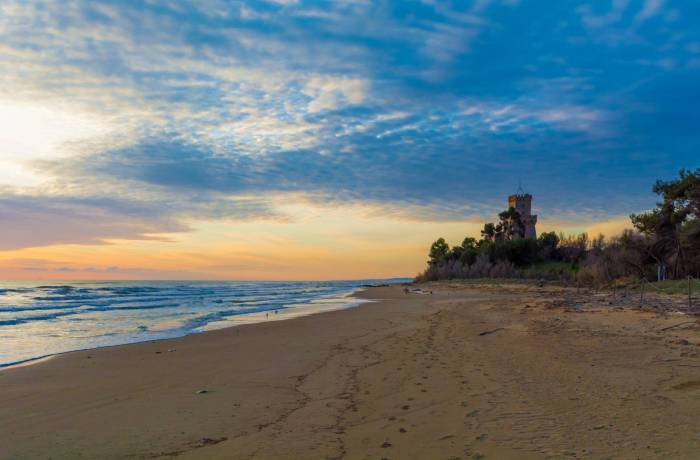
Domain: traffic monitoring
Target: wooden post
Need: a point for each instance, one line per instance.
(641, 297)
(690, 296)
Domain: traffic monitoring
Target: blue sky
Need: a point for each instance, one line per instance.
(127, 119)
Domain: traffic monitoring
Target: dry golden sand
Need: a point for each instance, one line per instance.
(469, 372)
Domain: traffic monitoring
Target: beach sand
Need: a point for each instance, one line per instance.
(472, 371)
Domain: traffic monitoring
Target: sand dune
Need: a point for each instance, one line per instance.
(469, 372)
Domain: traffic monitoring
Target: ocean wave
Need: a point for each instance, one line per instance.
(40, 319)
(28, 319)
(204, 320)
(87, 308)
(21, 308)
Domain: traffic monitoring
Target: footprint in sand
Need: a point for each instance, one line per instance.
(690, 385)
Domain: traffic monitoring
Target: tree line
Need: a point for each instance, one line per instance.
(663, 244)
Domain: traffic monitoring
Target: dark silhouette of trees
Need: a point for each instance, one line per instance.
(510, 224)
(548, 244)
(674, 225)
(665, 243)
(439, 252)
(489, 232)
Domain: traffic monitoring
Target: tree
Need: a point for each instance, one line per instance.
(573, 248)
(456, 253)
(598, 244)
(547, 244)
(489, 232)
(468, 251)
(439, 251)
(511, 224)
(469, 243)
(637, 252)
(674, 225)
(519, 251)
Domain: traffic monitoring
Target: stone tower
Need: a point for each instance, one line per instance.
(522, 202)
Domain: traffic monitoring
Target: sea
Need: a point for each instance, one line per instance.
(39, 319)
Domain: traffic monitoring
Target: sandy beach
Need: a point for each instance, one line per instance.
(472, 371)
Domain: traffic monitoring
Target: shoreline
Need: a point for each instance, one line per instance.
(471, 371)
(286, 315)
(32, 361)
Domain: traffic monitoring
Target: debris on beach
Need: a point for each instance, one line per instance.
(491, 331)
(208, 442)
(418, 291)
(202, 392)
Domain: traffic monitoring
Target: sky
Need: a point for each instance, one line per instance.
(292, 139)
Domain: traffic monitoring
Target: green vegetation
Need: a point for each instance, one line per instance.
(665, 245)
(677, 287)
(550, 256)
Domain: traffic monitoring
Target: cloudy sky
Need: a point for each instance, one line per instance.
(306, 139)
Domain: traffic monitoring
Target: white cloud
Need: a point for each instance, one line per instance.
(650, 9)
(595, 21)
(330, 92)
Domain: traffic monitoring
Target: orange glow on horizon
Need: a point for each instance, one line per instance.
(321, 243)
